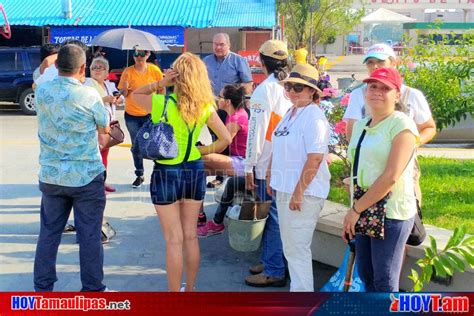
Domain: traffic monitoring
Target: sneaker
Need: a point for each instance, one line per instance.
(109, 188)
(138, 182)
(69, 228)
(256, 269)
(210, 229)
(183, 288)
(262, 280)
(202, 219)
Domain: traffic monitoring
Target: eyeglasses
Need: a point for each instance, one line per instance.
(282, 132)
(98, 68)
(297, 87)
(139, 54)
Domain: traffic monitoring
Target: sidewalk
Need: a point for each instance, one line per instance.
(135, 258)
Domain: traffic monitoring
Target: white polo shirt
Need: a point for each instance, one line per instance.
(418, 108)
(308, 132)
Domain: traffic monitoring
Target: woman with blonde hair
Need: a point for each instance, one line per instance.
(177, 185)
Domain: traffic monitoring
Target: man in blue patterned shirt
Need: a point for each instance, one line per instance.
(70, 116)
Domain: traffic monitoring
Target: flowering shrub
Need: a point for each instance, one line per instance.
(334, 107)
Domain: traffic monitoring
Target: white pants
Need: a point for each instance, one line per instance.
(297, 229)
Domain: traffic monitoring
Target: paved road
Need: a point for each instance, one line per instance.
(134, 260)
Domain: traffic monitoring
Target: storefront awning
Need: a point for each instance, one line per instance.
(170, 35)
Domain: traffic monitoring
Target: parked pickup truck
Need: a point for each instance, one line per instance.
(16, 76)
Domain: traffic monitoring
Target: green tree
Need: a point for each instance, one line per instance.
(442, 67)
(323, 19)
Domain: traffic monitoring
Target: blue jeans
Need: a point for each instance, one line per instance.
(272, 248)
(379, 261)
(56, 204)
(134, 123)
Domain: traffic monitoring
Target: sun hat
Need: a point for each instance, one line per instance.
(305, 74)
(274, 49)
(388, 76)
(379, 51)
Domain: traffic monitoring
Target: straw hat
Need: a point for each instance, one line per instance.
(305, 74)
(274, 49)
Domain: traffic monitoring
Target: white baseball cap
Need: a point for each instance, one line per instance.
(379, 51)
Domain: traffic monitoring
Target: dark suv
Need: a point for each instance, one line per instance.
(16, 76)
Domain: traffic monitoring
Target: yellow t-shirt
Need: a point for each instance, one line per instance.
(137, 80)
(301, 56)
(181, 132)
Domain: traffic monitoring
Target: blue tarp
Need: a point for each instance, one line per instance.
(170, 35)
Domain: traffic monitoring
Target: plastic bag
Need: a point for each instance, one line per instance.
(336, 282)
(234, 212)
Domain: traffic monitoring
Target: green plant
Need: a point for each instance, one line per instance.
(319, 19)
(444, 263)
(442, 67)
(334, 108)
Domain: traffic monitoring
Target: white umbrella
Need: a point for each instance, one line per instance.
(383, 15)
(128, 38)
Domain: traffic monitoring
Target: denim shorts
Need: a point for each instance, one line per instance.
(171, 183)
(238, 165)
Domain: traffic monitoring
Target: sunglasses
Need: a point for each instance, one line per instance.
(297, 87)
(99, 68)
(139, 54)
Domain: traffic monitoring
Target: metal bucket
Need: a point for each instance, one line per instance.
(245, 235)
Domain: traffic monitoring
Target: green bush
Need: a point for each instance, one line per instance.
(445, 74)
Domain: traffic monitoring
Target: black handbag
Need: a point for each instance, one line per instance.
(372, 220)
(157, 141)
(418, 232)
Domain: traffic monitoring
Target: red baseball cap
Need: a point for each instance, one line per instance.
(388, 76)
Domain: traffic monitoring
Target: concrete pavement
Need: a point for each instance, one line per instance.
(135, 258)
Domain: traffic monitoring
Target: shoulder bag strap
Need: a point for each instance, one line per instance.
(164, 115)
(190, 141)
(355, 166)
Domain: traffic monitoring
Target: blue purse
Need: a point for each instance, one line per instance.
(157, 141)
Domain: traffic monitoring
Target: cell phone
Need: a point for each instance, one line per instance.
(116, 94)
